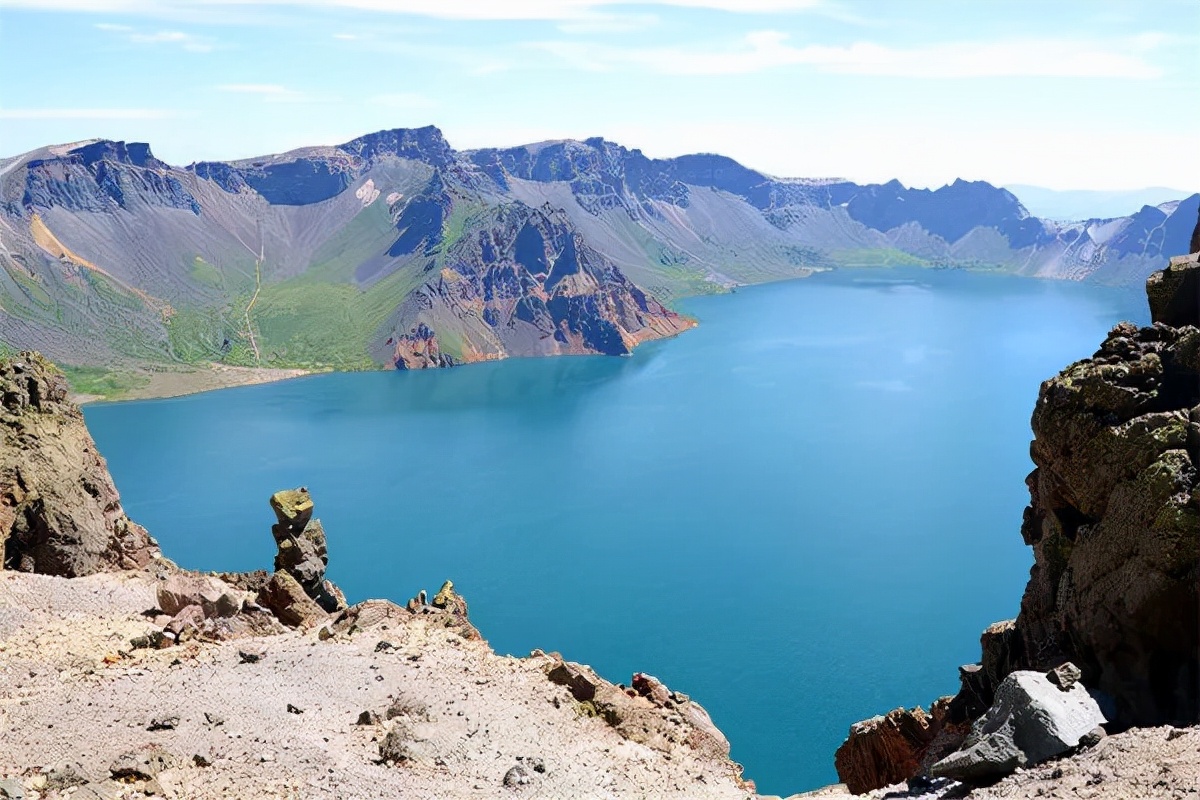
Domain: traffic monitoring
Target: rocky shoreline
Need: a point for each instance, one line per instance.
(123, 675)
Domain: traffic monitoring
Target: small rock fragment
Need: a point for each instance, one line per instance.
(142, 765)
(1092, 737)
(1064, 676)
(517, 776)
(163, 724)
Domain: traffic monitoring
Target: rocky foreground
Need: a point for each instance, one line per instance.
(124, 675)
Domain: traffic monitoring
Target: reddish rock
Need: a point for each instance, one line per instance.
(884, 750)
(286, 599)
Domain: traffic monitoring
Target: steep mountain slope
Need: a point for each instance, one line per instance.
(395, 249)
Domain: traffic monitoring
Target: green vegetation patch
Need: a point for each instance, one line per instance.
(32, 288)
(198, 334)
(109, 384)
(304, 323)
(877, 257)
(370, 233)
(204, 272)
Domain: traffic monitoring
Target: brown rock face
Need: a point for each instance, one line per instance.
(59, 511)
(289, 603)
(1114, 520)
(883, 750)
(1174, 292)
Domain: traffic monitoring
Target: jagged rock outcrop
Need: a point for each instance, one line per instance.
(646, 712)
(883, 750)
(1174, 292)
(890, 748)
(1114, 523)
(60, 513)
(303, 554)
(1115, 514)
(419, 349)
(524, 282)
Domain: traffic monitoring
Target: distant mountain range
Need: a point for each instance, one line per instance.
(1091, 204)
(395, 249)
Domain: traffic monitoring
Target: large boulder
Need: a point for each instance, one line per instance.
(213, 596)
(60, 513)
(1032, 720)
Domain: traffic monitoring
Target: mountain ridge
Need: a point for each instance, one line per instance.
(317, 257)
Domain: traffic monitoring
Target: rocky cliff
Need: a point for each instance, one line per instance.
(1114, 523)
(60, 513)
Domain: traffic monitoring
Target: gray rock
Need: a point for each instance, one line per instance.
(1093, 737)
(1031, 720)
(64, 775)
(12, 788)
(1064, 676)
(517, 776)
(142, 765)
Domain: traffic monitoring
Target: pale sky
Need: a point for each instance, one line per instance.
(1088, 94)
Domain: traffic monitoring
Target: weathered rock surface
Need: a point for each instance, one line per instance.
(60, 513)
(213, 596)
(883, 750)
(1113, 521)
(288, 601)
(1174, 292)
(303, 553)
(1033, 719)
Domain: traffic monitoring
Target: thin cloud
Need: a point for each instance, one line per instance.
(270, 92)
(600, 23)
(553, 10)
(766, 50)
(90, 113)
(187, 41)
(403, 101)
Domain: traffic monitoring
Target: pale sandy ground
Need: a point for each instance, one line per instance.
(72, 689)
(205, 379)
(477, 713)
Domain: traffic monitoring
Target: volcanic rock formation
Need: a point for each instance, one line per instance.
(303, 554)
(60, 513)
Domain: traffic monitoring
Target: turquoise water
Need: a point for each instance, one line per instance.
(801, 513)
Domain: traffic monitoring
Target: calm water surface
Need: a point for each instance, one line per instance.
(801, 513)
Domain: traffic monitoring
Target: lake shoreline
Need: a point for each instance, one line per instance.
(167, 384)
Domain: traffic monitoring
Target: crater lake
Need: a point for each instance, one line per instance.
(798, 513)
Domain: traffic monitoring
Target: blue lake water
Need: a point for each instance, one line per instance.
(802, 513)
